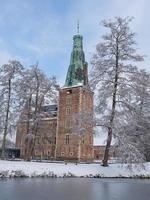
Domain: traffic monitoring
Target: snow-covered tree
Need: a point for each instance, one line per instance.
(37, 90)
(133, 140)
(113, 63)
(10, 102)
(9, 143)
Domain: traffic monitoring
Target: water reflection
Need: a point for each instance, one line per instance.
(74, 189)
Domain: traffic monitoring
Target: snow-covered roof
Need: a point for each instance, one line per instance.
(77, 85)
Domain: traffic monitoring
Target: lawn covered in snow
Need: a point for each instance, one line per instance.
(36, 169)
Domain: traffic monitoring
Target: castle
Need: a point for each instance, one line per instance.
(68, 133)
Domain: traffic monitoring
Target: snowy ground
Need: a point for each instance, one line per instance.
(36, 169)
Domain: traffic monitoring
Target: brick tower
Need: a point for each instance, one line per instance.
(74, 138)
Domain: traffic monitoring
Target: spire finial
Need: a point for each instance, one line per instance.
(78, 26)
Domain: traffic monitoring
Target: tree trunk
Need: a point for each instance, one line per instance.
(107, 148)
(6, 120)
(26, 156)
(109, 137)
(30, 150)
(29, 114)
(79, 149)
(35, 123)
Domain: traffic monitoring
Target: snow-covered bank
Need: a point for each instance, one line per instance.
(35, 169)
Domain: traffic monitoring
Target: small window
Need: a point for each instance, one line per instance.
(62, 153)
(71, 153)
(66, 141)
(68, 100)
(68, 110)
(48, 153)
(54, 140)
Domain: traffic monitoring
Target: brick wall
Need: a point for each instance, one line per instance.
(45, 138)
(72, 101)
(99, 152)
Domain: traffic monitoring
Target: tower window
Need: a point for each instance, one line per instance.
(68, 110)
(68, 99)
(66, 139)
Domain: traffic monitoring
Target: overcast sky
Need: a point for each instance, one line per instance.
(42, 30)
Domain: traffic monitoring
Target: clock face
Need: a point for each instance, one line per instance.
(79, 74)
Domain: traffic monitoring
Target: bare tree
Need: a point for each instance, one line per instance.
(10, 77)
(113, 63)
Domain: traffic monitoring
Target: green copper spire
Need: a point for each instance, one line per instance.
(78, 27)
(77, 72)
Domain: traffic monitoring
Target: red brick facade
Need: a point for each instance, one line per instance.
(55, 138)
(67, 139)
(99, 152)
(70, 145)
(45, 140)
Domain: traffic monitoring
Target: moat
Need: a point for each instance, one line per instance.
(74, 189)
